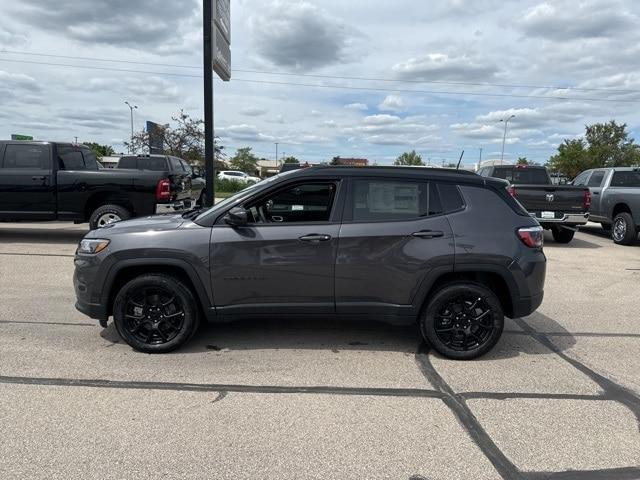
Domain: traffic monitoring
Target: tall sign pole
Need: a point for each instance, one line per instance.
(216, 48)
(209, 142)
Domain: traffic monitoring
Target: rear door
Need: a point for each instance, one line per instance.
(394, 234)
(27, 189)
(595, 183)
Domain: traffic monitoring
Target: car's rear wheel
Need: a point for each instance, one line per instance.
(462, 320)
(106, 214)
(562, 235)
(623, 230)
(155, 313)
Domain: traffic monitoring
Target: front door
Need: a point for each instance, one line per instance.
(394, 234)
(283, 260)
(27, 191)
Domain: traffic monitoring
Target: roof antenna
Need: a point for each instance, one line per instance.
(461, 155)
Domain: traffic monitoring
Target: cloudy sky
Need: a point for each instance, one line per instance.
(325, 78)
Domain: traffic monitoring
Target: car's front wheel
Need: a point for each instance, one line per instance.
(155, 313)
(462, 320)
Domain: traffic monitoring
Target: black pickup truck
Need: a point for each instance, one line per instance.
(559, 208)
(172, 166)
(42, 181)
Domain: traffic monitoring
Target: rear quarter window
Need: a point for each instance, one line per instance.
(450, 197)
(626, 179)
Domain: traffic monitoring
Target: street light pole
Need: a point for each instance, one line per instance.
(131, 108)
(276, 154)
(504, 137)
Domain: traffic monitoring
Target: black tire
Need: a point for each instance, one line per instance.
(562, 235)
(623, 231)
(606, 227)
(155, 313)
(106, 214)
(458, 310)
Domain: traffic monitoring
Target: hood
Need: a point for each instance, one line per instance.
(154, 223)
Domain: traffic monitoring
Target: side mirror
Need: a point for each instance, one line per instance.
(236, 217)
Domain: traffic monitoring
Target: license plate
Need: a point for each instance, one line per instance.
(547, 214)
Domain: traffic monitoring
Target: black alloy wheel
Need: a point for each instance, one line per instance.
(463, 320)
(155, 313)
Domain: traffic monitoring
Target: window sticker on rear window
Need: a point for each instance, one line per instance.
(390, 197)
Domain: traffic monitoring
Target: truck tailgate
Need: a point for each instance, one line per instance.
(553, 198)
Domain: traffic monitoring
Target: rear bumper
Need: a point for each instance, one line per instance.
(567, 218)
(524, 306)
(163, 208)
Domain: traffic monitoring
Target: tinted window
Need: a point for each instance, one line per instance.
(523, 176)
(70, 158)
(596, 178)
(626, 179)
(128, 162)
(90, 159)
(581, 180)
(26, 156)
(175, 164)
(450, 197)
(375, 200)
(302, 203)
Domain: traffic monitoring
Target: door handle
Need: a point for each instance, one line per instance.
(315, 238)
(428, 234)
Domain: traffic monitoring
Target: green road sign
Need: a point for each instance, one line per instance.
(21, 137)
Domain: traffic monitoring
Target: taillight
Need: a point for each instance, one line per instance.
(512, 190)
(163, 190)
(532, 237)
(586, 200)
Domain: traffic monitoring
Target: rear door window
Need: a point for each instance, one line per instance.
(70, 158)
(175, 164)
(596, 178)
(626, 179)
(90, 159)
(33, 157)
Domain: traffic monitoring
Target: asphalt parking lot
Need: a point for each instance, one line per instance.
(559, 397)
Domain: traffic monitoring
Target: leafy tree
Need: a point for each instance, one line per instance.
(185, 139)
(604, 145)
(244, 160)
(291, 159)
(409, 158)
(523, 161)
(335, 161)
(571, 159)
(100, 150)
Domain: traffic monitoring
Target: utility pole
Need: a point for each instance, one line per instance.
(131, 108)
(480, 161)
(76, 140)
(207, 57)
(504, 137)
(276, 154)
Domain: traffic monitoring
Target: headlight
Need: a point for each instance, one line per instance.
(92, 245)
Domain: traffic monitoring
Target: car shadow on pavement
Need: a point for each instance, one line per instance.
(337, 335)
(40, 235)
(575, 243)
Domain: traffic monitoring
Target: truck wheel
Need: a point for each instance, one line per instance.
(107, 214)
(462, 320)
(624, 230)
(155, 313)
(562, 235)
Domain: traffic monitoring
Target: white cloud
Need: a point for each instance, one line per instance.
(357, 106)
(393, 103)
(253, 111)
(442, 66)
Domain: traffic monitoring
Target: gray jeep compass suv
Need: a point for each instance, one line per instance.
(450, 250)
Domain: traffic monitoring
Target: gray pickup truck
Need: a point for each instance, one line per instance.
(615, 201)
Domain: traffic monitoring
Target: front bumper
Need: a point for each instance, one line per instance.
(175, 207)
(560, 218)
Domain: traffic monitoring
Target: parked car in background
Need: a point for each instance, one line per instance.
(177, 170)
(237, 176)
(616, 200)
(559, 208)
(449, 250)
(42, 181)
